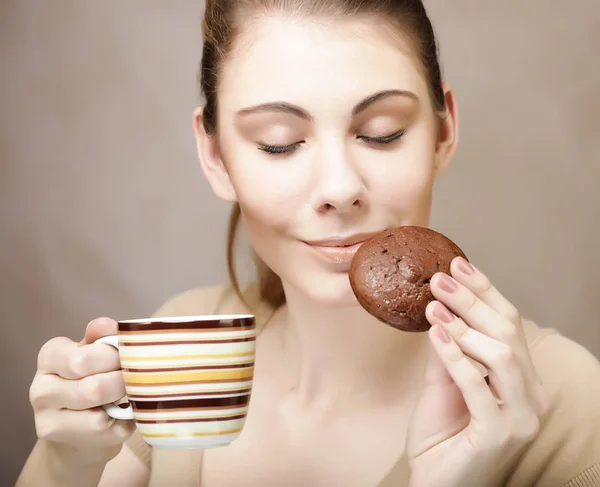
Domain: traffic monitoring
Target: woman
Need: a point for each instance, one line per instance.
(326, 121)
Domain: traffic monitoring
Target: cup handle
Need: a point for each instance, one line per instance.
(112, 409)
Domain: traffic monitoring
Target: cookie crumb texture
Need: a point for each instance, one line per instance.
(391, 272)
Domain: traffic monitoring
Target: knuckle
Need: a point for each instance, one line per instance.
(512, 313)
(99, 421)
(47, 348)
(77, 364)
(37, 394)
(484, 284)
(523, 431)
(475, 380)
(45, 430)
(455, 355)
(470, 302)
(508, 334)
(91, 390)
(460, 329)
(123, 430)
(529, 429)
(504, 357)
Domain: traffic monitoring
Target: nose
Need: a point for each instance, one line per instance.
(340, 186)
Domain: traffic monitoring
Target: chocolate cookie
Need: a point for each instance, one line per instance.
(390, 274)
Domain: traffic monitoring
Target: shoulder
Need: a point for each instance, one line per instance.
(218, 299)
(567, 450)
(563, 363)
(198, 301)
(568, 371)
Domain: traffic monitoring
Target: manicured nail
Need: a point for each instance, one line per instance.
(465, 267)
(448, 284)
(442, 313)
(442, 334)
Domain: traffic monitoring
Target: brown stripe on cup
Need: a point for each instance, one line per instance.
(146, 330)
(194, 394)
(156, 325)
(192, 420)
(200, 403)
(185, 342)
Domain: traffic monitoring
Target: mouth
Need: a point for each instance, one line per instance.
(341, 241)
(339, 250)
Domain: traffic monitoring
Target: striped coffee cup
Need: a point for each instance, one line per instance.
(188, 379)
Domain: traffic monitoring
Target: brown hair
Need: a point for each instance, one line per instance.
(221, 27)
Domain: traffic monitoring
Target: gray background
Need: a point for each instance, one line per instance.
(104, 210)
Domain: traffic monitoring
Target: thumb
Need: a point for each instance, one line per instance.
(98, 328)
(440, 411)
(435, 371)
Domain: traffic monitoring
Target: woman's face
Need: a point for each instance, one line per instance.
(327, 135)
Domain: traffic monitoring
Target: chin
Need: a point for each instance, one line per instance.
(326, 289)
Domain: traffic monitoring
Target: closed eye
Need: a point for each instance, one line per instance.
(279, 149)
(387, 139)
(285, 149)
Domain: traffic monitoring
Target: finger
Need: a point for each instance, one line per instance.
(52, 356)
(72, 360)
(473, 279)
(90, 427)
(429, 425)
(464, 303)
(477, 395)
(98, 328)
(481, 317)
(506, 375)
(437, 313)
(479, 284)
(50, 391)
(435, 370)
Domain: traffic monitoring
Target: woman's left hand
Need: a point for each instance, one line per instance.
(464, 432)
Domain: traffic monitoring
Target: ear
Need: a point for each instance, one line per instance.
(448, 133)
(211, 162)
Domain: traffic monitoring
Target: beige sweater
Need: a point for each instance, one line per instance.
(566, 453)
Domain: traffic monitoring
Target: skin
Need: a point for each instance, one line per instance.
(334, 364)
(327, 373)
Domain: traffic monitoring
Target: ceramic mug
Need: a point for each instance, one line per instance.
(188, 379)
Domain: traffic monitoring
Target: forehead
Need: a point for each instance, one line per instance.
(316, 61)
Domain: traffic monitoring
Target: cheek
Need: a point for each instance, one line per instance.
(405, 190)
(270, 190)
(404, 185)
(267, 193)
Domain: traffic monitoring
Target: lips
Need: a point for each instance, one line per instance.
(342, 241)
(339, 251)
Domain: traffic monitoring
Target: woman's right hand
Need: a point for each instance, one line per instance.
(72, 381)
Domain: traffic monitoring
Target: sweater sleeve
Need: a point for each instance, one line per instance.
(140, 448)
(567, 451)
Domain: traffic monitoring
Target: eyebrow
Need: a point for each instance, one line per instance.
(284, 107)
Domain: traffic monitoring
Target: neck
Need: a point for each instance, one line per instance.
(344, 355)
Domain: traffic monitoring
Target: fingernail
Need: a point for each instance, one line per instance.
(442, 334)
(448, 284)
(443, 314)
(465, 267)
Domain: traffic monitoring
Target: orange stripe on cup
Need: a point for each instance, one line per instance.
(166, 377)
(165, 435)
